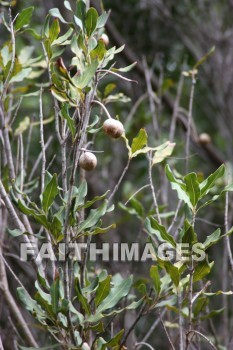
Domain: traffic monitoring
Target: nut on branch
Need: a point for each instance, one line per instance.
(88, 161)
(204, 139)
(114, 128)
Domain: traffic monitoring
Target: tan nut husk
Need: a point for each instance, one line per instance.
(204, 139)
(88, 161)
(113, 128)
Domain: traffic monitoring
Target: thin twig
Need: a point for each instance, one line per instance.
(104, 108)
(181, 320)
(146, 344)
(119, 181)
(152, 328)
(151, 99)
(6, 83)
(7, 144)
(153, 189)
(56, 106)
(117, 75)
(131, 328)
(176, 108)
(175, 216)
(190, 117)
(12, 272)
(28, 145)
(208, 283)
(16, 111)
(42, 142)
(203, 336)
(39, 159)
(229, 252)
(1, 346)
(17, 222)
(135, 193)
(168, 337)
(21, 162)
(22, 325)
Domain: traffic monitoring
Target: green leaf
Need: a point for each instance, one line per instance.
(189, 235)
(91, 287)
(219, 292)
(78, 22)
(102, 290)
(54, 292)
(24, 209)
(54, 30)
(23, 126)
(80, 11)
(56, 229)
(86, 76)
(98, 52)
(34, 33)
(6, 55)
(100, 230)
(55, 12)
(161, 232)
(109, 88)
(59, 95)
(102, 20)
(209, 183)
(139, 142)
(81, 297)
(49, 194)
(29, 304)
(91, 20)
(96, 317)
(24, 18)
(62, 39)
(77, 313)
(192, 188)
(70, 122)
(212, 239)
(25, 54)
(179, 186)
(15, 233)
(204, 58)
(173, 272)
(115, 341)
(200, 305)
(24, 73)
(125, 69)
(202, 269)
(138, 207)
(67, 5)
(115, 295)
(93, 217)
(154, 274)
(163, 153)
(80, 194)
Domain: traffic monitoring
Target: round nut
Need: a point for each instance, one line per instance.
(105, 39)
(113, 128)
(204, 139)
(88, 161)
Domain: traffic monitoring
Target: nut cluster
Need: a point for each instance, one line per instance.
(112, 127)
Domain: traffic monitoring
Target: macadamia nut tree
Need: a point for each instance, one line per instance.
(76, 302)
